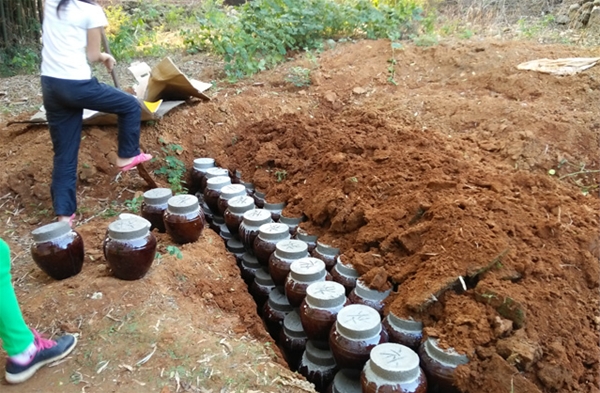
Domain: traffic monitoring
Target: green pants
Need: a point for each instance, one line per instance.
(14, 333)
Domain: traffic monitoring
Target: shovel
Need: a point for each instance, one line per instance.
(140, 167)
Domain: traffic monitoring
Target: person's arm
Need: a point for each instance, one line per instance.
(94, 54)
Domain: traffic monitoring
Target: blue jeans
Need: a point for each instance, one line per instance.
(64, 101)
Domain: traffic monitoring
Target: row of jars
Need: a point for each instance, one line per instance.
(313, 303)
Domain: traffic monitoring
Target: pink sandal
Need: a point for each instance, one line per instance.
(70, 220)
(140, 158)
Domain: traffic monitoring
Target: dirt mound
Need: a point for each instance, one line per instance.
(441, 177)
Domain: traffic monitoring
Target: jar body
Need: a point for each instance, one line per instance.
(439, 376)
(353, 353)
(263, 248)
(248, 234)
(279, 268)
(154, 214)
(211, 197)
(411, 339)
(60, 258)
(197, 181)
(130, 259)
(248, 272)
(320, 376)
(273, 319)
(376, 304)
(233, 221)
(184, 228)
(349, 283)
(260, 293)
(330, 260)
(419, 385)
(317, 322)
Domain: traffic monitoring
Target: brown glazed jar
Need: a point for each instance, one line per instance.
(393, 368)
(362, 294)
(275, 310)
(57, 250)
(261, 287)
(210, 173)
(303, 272)
(251, 222)
(234, 214)
(154, 206)
(286, 252)
(125, 216)
(318, 366)
(236, 177)
(356, 331)
(248, 268)
(259, 199)
(199, 168)
(224, 232)
(184, 220)
(216, 223)
(310, 240)
(439, 366)
(326, 253)
(320, 308)
(130, 249)
(345, 274)
(266, 240)
(275, 209)
(291, 222)
(212, 192)
(293, 339)
(236, 247)
(249, 188)
(407, 332)
(227, 192)
(346, 380)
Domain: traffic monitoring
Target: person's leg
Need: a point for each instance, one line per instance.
(27, 350)
(15, 334)
(65, 122)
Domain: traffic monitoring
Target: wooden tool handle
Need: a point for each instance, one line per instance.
(107, 50)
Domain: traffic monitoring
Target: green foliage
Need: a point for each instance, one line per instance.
(19, 60)
(174, 169)
(173, 250)
(260, 33)
(532, 29)
(392, 61)
(298, 76)
(281, 175)
(134, 204)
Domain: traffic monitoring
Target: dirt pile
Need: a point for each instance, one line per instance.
(444, 175)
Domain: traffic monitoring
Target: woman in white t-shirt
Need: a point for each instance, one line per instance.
(72, 35)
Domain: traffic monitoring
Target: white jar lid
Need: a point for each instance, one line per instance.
(345, 269)
(50, 231)
(126, 216)
(320, 357)
(250, 261)
(409, 325)
(216, 171)
(277, 207)
(308, 269)
(364, 291)
(203, 163)
(127, 229)
(292, 324)
(326, 249)
(241, 204)
(217, 183)
(325, 294)
(346, 380)
(301, 234)
(274, 231)
(183, 204)
(393, 362)
(232, 190)
(448, 357)
(157, 196)
(262, 277)
(358, 322)
(257, 217)
(278, 301)
(291, 249)
(235, 246)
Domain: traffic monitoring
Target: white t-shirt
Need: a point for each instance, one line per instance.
(64, 38)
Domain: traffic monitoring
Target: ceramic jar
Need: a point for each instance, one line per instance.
(224, 232)
(310, 240)
(130, 248)
(303, 272)
(318, 366)
(291, 222)
(356, 331)
(57, 250)
(393, 368)
(293, 339)
(407, 332)
(345, 274)
(251, 223)
(248, 268)
(439, 365)
(267, 238)
(227, 192)
(234, 214)
(249, 188)
(286, 252)
(320, 308)
(261, 287)
(216, 223)
(154, 206)
(199, 168)
(346, 380)
(275, 209)
(184, 220)
(209, 174)
(236, 247)
(259, 199)
(275, 310)
(362, 294)
(212, 192)
(326, 253)
(208, 214)
(236, 177)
